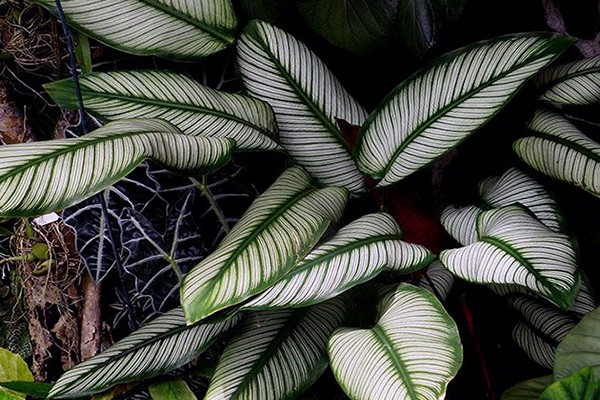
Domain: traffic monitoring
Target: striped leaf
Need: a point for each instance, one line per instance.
(438, 107)
(580, 348)
(576, 83)
(162, 345)
(307, 100)
(543, 328)
(461, 223)
(515, 186)
(513, 247)
(277, 355)
(182, 29)
(274, 234)
(555, 147)
(356, 254)
(193, 108)
(581, 385)
(37, 178)
(412, 352)
(528, 390)
(438, 280)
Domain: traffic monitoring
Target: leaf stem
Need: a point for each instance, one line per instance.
(205, 190)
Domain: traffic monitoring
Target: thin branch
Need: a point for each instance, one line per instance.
(205, 190)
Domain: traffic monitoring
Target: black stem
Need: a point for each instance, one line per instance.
(82, 117)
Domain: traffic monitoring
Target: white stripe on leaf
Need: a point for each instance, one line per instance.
(357, 253)
(513, 247)
(178, 29)
(194, 108)
(576, 83)
(277, 354)
(37, 178)
(412, 352)
(162, 345)
(307, 100)
(555, 147)
(275, 233)
(438, 107)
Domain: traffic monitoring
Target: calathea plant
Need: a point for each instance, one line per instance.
(283, 283)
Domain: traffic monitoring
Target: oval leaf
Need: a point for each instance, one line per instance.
(183, 30)
(173, 389)
(528, 390)
(356, 254)
(277, 355)
(355, 25)
(461, 223)
(162, 345)
(555, 147)
(582, 385)
(438, 107)
(37, 178)
(438, 280)
(580, 348)
(412, 352)
(13, 368)
(276, 232)
(307, 100)
(576, 83)
(513, 247)
(193, 108)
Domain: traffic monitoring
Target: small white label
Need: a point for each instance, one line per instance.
(46, 219)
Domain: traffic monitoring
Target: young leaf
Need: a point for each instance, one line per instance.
(580, 348)
(412, 352)
(13, 368)
(37, 178)
(182, 30)
(306, 98)
(172, 389)
(160, 346)
(513, 247)
(357, 253)
(438, 107)
(576, 83)
(355, 25)
(278, 354)
(193, 108)
(555, 147)
(515, 186)
(582, 385)
(528, 390)
(274, 234)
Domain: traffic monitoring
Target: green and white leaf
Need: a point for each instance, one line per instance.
(276, 232)
(438, 280)
(580, 348)
(543, 330)
(513, 247)
(515, 186)
(171, 389)
(193, 108)
(440, 106)
(41, 177)
(356, 254)
(555, 147)
(162, 345)
(528, 390)
(307, 100)
(575, 83)
(278, 354)
(461, 223)
(412, 352)
(582, 385)
(182, 29)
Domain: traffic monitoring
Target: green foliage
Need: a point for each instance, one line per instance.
(581, 385)
(12, 368)
(296, 272)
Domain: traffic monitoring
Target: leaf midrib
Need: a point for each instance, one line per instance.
(190, 20)
(551, 84)
(306, 100)
(388, 348)
(180, 106)
(442, 111)
(564, 142)
(508, 249)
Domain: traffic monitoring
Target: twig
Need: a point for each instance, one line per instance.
(205, 190)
